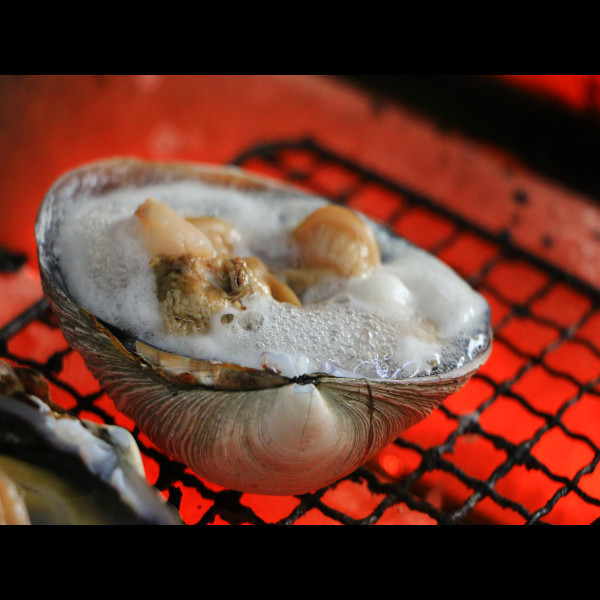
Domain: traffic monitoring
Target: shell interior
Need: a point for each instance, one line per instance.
(414, 317)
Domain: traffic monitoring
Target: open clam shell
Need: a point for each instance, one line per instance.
(56, 469)
(244, 427)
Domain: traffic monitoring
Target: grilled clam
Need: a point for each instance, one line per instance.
(267, 339)
(56, 469)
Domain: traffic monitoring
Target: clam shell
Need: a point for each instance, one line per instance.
(245, 429)
(65, 470)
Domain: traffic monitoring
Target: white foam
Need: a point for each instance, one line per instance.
(370, 327)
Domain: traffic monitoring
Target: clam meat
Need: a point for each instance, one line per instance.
(269, 339)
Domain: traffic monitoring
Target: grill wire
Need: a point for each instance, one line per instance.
(517, 445)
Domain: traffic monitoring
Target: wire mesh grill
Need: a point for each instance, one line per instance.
(519, 444)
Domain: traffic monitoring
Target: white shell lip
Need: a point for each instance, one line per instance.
(292, 438)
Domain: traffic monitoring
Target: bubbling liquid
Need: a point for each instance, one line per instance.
(412, 317)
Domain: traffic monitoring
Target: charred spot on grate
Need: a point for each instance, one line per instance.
(518, 445)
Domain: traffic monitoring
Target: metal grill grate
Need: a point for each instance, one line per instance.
(518, 445)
